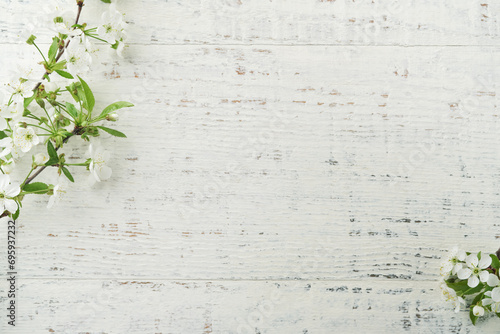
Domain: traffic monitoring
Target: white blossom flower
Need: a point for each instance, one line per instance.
(493, 300)
(63, 22)
(475, 271)
(99, 171)
(59, 193)
(450, 295)
(20, 86)
(77, 58)
(50, 86)
(7, 192)
(453, 262)
(41, 158)
(478, 311)
(112, 27)
(25, 138)
(14, 110)
(8, 166)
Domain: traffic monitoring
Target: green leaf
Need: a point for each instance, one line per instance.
(68, 174)
(495, 262)
(53, 49)
(2, 135)
(106, 1)
(72, 110)
(52, 162)
(16, 214)
(64, 74)
(460, 287)
(113, 132)
(473, 318)
(472, 291)
(89, 101)
(115, 106)
(58, 66)
(36, 187)
(477, 299)
(52, 151)
(28, 100)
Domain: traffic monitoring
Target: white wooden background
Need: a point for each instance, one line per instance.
(292, 166)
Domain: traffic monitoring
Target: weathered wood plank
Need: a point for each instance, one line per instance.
(152, 306)
(345, 22)
(283, 163)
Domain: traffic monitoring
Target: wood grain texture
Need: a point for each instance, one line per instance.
(335, 168)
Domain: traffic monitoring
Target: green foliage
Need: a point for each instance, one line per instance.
(89, 100)
(495, 262)
(36, 188)
(68, 174)
(114, 106)
(53, 49)
(113, 132)
(64, 74)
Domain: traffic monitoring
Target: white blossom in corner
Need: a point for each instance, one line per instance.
(7, 192)
(25, 138)
(78, 60)
(453, 262)
(475, 270)
(40, 158)
(59, 193)
(478, 311)
(99, 171)
(112, 25)
(493, 299)
(450, 295)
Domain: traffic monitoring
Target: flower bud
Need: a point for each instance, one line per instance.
(41, 159)
(478, 311)
(112, 117)
(31, 40)
(50, 87)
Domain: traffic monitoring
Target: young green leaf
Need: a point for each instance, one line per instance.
(68, 174)
(115, 106)
(495, 262)
(52, 151)
(28, 100)
(2, 135)
(72, 110)
(89, 101)
(472, 317)
(64, 74)
(16, 214)
(36, 187)
(113, 132)
(53, 49)
(106, 1)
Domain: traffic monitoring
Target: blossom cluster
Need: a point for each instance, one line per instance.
(471, 280)
(48, 110)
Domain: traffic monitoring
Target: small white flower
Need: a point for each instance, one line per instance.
(63, 22)
(493, 300)
(112, 27)
(77, 58)
(41, 158)
(59, 193)
(450, 295)
(478, 311)
(13, 111)
(7, 192)
(25, 138)
(19, 86)
(475, 271)
(99, 171)
(453, 262)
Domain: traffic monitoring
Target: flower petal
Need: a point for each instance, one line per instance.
(104, 173)
(10, 205)
(12, 190)
(484, 275)
(464, 273)
(485, 261)
(4, 181)
(472, 260)
(495, 294)
(493, 280)
(473, 281)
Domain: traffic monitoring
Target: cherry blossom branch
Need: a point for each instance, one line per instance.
(61, 51)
